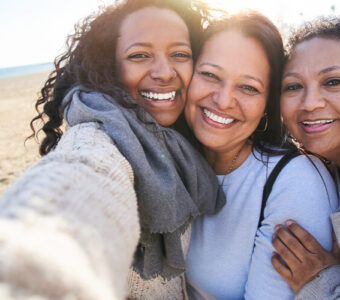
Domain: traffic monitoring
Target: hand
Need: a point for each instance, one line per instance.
(302, 253)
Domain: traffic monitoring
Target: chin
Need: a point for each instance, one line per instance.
(166, 121)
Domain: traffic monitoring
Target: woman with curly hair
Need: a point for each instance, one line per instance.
(310, 103)
(121, 186)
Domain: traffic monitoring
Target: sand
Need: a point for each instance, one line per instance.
(17, 98)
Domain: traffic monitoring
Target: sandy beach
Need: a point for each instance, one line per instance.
(17, 98)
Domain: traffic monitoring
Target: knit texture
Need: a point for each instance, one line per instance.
(173, 181)
(69, 226)
(325, 286)
(159, 288)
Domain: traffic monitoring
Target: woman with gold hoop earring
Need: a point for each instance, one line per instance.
(236, 80)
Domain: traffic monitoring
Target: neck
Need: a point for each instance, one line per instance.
(221, 161)
(337, 161)
(333, 156)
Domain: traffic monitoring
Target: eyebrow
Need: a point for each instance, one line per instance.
(291, 74)
(244, 76)
(211, 65)
(142, 44)
(254, 78)
(324, 71)
(330, 69)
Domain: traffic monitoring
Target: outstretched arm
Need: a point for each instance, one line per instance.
(304, 257)
(69, 226)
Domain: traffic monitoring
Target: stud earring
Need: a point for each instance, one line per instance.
(175, 73)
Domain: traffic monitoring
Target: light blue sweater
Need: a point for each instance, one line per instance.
(221, 263)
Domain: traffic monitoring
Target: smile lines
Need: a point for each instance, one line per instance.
(217, 118)
(159, 96)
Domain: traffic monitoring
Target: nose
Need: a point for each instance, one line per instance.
(224, 97)
(162, 70)
(312, 99)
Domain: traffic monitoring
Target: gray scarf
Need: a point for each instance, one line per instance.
(173, 182)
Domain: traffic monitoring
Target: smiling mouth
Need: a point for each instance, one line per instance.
(317, 123)
(150, 96)
(217, 118)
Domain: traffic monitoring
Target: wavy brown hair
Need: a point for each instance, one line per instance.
(89, 59)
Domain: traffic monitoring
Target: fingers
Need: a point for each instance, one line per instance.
(288, 247)
(305, 238)
(286, 274)
(280, 267)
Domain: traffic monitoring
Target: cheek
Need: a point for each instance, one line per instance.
(288, 111)
(190, 106)
(189, 112)
(129, 75)
(185, 72)
(255, 109)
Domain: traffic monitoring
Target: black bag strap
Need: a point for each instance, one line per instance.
(271, 179)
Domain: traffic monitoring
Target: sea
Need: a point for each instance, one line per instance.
(25, 70)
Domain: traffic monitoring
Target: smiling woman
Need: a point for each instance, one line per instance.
(232, 99)
(311, 96)
(233, 110)
(310, 104)
(155, 72)
(120, 187)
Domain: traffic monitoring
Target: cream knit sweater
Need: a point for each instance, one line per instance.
(69, 226)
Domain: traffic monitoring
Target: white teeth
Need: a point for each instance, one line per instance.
(310, 123)
(216, 118)
(159, 96)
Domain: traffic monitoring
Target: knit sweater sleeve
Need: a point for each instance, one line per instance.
(326, 285)
(69, 226)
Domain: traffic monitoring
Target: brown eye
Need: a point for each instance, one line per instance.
(209, 75)
(333, 82)
(250, 89)
(182, 55)
(138, 55)
(292, 87)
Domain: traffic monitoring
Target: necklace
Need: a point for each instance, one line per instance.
(231, 165)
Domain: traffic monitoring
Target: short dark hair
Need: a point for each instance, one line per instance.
(90, 58)
(321, 27)
(260, 28)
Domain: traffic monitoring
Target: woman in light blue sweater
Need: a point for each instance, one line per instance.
(310, 104)
(233, 110)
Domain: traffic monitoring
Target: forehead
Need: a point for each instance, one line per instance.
(150, 22)
(316, 53)
(233, 48)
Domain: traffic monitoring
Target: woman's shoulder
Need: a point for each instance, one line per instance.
(88, 143)
(308, 166)
(305, 180)
(87, 137)
(89, 132)
(299, 163)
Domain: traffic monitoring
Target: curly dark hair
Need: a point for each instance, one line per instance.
(321, 27)
(89, 59)
(254, 25)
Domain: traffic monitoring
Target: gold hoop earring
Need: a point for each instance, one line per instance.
(265, 116)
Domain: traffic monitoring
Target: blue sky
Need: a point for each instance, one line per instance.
(34, 31)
